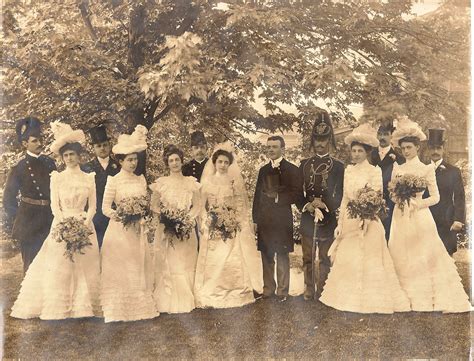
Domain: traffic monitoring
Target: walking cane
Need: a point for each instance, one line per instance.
(313, 252)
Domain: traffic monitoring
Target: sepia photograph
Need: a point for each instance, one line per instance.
(235, 179)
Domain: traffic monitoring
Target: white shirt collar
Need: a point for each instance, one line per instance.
(32, 154)
(383, 151)
(414, 160)
(104, 162)
(276, 163)
(437, 163)
(200, 162)
(322, 156)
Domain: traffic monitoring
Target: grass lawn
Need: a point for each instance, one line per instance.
(267, 329)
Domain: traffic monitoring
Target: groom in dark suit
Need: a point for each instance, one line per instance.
(278, 187)
(385, 156)
(103, 166)
(449, 213)
(322, 177)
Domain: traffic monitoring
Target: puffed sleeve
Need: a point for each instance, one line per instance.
(345, 196)
(109, 196)
(432, 188)
(92, 201)
(377, 180)
(54, 188)
(156, 195)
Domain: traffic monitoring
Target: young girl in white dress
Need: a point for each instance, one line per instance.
(127, 279)
(175, 259)
(228, 270)
(426, 271)
(362, 278)
(55, 287)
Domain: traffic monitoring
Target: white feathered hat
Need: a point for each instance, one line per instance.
(364, 134)
(131, 143)
(63, 134)
(407, 128)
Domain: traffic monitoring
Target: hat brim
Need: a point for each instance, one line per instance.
(362, 138)
(410, 132)
(128, 148)
(76, 136)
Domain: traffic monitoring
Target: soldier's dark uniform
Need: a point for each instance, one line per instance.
(194, 168)
(323, 178)
(26, 197)
(99, 135)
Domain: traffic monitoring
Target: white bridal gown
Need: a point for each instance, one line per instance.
(126, 282)
(362, 278)
(227, 272)
(54, 287)
(426, 271)
(175, 260)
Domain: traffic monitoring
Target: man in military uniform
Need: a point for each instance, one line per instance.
(103, 166)
(449, 213)
(322, 177)
(385, 156)
(31, 217)
(199, 150)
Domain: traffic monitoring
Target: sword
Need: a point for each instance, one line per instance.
(313, 250)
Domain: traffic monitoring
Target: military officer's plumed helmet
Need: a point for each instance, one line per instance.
(322, 128)
(198, 138)
(28, 127)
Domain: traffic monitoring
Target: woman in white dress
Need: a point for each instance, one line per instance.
(426, 271)
(362, 278)
(55, 287)
(228, 270)
(175, 259)
(126, 282)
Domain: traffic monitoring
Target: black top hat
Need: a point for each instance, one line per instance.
(197, 138)
(98, 134)
(436, 137)
(28, 127)
(386, 125)
(322, 127)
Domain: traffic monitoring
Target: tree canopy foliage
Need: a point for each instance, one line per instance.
(182, 65)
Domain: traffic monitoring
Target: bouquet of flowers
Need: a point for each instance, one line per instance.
(368, 204)
(74, 233)
(404, 187)
(222, 221)
(131, 210)
(177, 223)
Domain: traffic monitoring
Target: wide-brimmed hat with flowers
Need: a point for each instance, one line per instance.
(131, 143)
(364, 134)
(63, 134)
(407, 128)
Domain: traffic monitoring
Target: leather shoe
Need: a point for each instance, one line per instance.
(282, 298)
(308, 297)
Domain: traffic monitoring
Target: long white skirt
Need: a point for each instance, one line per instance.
(55, 288)
(127, 278)
(426, 271)
(175, 267)
(363, 278)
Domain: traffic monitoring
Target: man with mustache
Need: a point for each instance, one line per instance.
(195, 167)
(384, 157)
(449, 213)
(31, 217)
(322, 177)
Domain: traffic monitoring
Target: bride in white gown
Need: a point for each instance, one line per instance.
(426, 271)
(55, 287)
(228, 271)
(362, 278)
